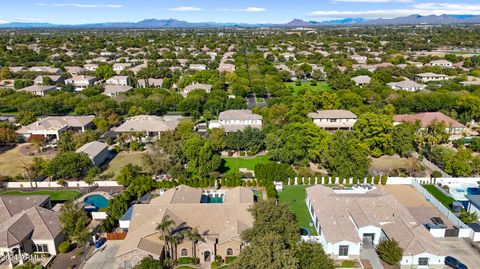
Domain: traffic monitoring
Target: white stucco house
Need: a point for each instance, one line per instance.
(53, 126)
(236, 120)
(334, 119)
(119, 80)
(346, 223)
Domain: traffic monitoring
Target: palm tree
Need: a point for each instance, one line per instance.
(165, 227)
(194, 236)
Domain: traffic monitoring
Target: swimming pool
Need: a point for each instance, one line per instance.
(473, 191)
(211, 199)
(97, 200)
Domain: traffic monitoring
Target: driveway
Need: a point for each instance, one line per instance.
(104, 258)
(370, 255)
(460, 249)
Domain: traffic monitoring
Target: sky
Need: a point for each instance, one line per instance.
(239, 11)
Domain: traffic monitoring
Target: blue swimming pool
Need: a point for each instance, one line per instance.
(97, 200)
(473, 191)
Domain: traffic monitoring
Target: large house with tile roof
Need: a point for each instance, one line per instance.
(219, 215)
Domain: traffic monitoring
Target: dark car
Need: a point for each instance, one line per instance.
(100, 242)
(454, 263)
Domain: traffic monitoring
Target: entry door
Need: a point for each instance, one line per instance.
(207, 256)
(368, 240)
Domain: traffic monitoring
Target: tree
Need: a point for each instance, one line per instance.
(194, 236)
(128, 173)
(74, 221)
(7, 134)
(375, 130)
(105, 72)
(312, 256)
(172, 234)
(346, 157)
(69, 165)
(389, 251)
(403, 138)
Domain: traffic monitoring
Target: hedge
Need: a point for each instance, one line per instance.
(188, 260)
(269, 172)
(64, 247)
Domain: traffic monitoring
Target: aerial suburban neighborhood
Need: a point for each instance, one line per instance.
(168, 144)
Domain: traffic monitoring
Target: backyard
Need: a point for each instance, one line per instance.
(295, 197)
(13, 160)
(122, 159)
(441, 197)
(234, 164)
(322, 85)
(55, 196)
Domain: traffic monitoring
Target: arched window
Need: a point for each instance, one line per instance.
(229, 252)
(184, 252)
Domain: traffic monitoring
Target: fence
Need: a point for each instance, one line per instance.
(116, 236)
(70, 184)
(390, 180)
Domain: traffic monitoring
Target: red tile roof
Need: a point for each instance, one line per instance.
(427, 118)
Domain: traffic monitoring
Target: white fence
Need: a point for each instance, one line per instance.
(390, 180)
(70, 184)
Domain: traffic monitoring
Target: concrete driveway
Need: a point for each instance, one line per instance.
(460, 249)
(104, 258)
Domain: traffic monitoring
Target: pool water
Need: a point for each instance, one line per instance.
(97, 200)
(209, 199)
(473, 191)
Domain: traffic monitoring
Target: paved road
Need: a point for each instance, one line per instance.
(105, 257)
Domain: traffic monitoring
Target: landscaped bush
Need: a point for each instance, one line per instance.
(65, 247)
(188, 260)
(389, 251)
(376, 180)
(230, 259)
(348, 264)
(436, 174)
(242, 153)
(269, 172)
(384, 180)
(214, 265)
(369, 179)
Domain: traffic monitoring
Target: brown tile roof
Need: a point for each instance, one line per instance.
(427, 118)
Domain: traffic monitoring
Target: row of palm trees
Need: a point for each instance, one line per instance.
(173, 234)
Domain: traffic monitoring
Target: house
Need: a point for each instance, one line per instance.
(219, 215)
(348, 222)
(426, 119)
(197, 67)
(96, 151)
(54, 79)
(7, 84)
(236, 120)
(441, 63)
(288, 56)
(114, 90)
(16, 69)
(81, 82)
(196, 86)
(150, 83)
(91, 67)
(407, 85)
(359, 59)
(45, 69)
(74, 70)
(28, 225)
(334, 119)
(426, 77)
(55, 125)
(471, 81)
(226, 68)
(38, 89)
(119, 80)
(119, 67)
(362, 80)
(151, 126)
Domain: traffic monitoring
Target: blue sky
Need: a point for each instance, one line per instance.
(249, 11)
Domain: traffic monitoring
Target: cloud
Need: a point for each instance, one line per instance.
(254, 9)
(421, 9)
(76, 5)
(185, 8)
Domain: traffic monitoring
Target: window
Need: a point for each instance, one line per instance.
(422, 261)
(40, 248)
(184, 252)
(229, 252)
(343, 251)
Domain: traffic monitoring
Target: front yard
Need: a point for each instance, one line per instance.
(295, 197)
(55, 196)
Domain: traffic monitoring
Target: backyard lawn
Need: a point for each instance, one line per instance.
(55, 196)
(444, 199)
(295, 197)
(236, 163)
(122, 159)
(13, 161)
(322, 85)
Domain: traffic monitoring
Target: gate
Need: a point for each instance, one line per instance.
(452, 232)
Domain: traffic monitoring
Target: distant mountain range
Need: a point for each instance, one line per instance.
(172, 23)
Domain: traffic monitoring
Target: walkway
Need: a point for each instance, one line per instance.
(370, 255)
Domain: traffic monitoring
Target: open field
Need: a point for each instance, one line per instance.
(306, 85)
(59, 195)
(236, 163)
(12, 161)
(295, 197)
(122, 159)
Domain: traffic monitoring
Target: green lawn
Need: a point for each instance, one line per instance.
(55, 196)
(236, 163)
(444, 199)
(321, 86)
(295, 197)
(122, 159)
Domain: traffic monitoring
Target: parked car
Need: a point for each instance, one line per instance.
(100, 242)
(454, 263)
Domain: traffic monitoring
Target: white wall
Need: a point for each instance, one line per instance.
(99, 215)
(439, 233)
(71, 184)
(432, 259)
